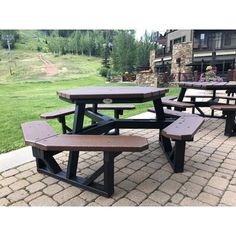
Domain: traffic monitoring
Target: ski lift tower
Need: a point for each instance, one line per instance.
(9, 38)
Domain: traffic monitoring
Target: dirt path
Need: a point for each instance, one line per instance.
(51, 69)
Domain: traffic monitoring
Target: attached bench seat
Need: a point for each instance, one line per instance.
(230, 112)
(180, 106)
(184, 128)
(62, 113)
(172, 113)
(46, 143)
(181, 130)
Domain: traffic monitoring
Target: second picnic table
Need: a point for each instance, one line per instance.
(229, 87)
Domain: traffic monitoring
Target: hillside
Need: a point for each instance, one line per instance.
(29, 66)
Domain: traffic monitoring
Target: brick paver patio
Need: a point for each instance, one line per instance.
(141, 179)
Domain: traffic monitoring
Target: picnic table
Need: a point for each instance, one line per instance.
(95, 137)
(213, 99)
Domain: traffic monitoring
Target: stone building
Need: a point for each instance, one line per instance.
(185, 54)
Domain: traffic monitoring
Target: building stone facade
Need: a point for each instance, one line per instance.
(184, 53)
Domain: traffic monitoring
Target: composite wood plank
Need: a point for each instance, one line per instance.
(173, 113)
(71, 110)
(177, 104)
(112, 92)
(183, 128)
(224, 107)
(93, 143)
(36, 130)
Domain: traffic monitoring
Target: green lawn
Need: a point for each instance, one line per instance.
(24, 100)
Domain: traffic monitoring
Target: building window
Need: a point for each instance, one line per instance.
(218, 37)
(183, 39)
(203, 40)
(227, 39)
(178, 40)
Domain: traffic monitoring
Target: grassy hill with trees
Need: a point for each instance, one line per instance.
(29, 90)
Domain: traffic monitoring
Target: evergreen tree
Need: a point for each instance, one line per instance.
(124, 51)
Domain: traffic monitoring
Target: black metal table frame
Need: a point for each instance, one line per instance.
(102, 124)
(212, 101)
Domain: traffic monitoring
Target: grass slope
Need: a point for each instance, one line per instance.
(29, 92)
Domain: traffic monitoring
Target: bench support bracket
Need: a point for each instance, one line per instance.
(174, 154)
(46, 164)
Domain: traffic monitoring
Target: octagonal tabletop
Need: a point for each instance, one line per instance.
(208, 85)
(112, 94)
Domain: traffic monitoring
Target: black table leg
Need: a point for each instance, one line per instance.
(181, 95)
(77, 126)
(158, 106)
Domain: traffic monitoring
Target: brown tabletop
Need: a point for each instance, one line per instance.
(111, 94)
(208, 85)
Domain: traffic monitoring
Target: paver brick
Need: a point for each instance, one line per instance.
(138, 176)
(208, 198)
(136, 196)
(204, 174)
(127, 185)
(124, 202)
(177, 198)
(160, 175)
(26, 166)
(17, 195)
(122, 163)
(118, 193)
(159, 197)
(148, 169)
(5, 191)
(148, 186)
(76, 201)
(103, 201)
(35, 187)
(10, 173)
(136, 165)
(229, 198)
(19, 184)
(187, 201)
(36, 177)
(190, 189)
(49, 180)
(24, 174)
(127, 171)
(20, 203)
(198, 180)
(179, 177)
(170, 187)
(218, 182)
(52, 189)
(213, 191)
(43, 201)
(7, 181)
(66, 194)
(33, 196)
(4, 202)
(149, 202)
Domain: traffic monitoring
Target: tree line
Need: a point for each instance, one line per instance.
(120, 50)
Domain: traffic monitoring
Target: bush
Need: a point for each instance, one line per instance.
(104, 71)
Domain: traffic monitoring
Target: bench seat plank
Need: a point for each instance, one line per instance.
(36, 130)
(183, 128)
(178, 104)
(173, 113)
(168, 98)
(105, 143)
(71, 110)
(224, 107)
